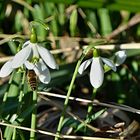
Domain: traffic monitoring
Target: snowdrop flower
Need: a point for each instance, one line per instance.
(96, 70)
(33, 51)
(40, 56)
(34, 57)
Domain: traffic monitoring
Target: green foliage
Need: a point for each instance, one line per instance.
(105, 21)
(89, 119)
(83, 22)
(73, 22)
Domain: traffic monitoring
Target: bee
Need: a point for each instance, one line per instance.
(32, 79)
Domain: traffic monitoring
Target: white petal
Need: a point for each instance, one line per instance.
(42, 72)
(84, 65)
(45, 76)
(21, 57)
(35, 50)
(120, 57)
(25, 44)
(6, 69)
(47, 57)
(29, 65)
(109, 63)
(96, 72)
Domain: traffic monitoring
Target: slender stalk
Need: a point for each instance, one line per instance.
(6, 94)
(33, 39)
(90, 106)
(89, 111)
(9, 83)
(33, 117)
(109, 105)
(21, 92)
(68, 95)
(71, 86)
(19, 103)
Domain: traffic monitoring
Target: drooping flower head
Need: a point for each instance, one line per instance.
(119, 57)
(32, 56)
(97, 67)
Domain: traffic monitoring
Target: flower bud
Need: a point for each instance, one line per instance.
(33, 36)
(95, 53)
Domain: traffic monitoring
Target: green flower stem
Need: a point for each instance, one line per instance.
(33, 39)
(89, 112)
(33, 117)
(21, 92)
(9, 83)
(90, 106)
(68, 95)
(71, 86)
(6, 94)
(19, 102)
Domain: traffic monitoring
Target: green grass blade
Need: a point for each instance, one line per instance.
(73, 22)
(105, 21)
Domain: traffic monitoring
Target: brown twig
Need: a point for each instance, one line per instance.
(75, 117)
(133, 21)
(53, 134)
(102, 47)
(25, 4)
(90, 25)
(118, 106)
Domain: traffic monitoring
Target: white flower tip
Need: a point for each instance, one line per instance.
(44, 79)
(120, 57)
(80, 70)
(96, 73)
(115, 69)
(109, 63)
(2, 75)
(6, 69)
(55, 66)
(84, 66)
(96, 85)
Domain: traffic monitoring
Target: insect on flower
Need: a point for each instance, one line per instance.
(33, 57)
(40, 66)
(32, 79)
